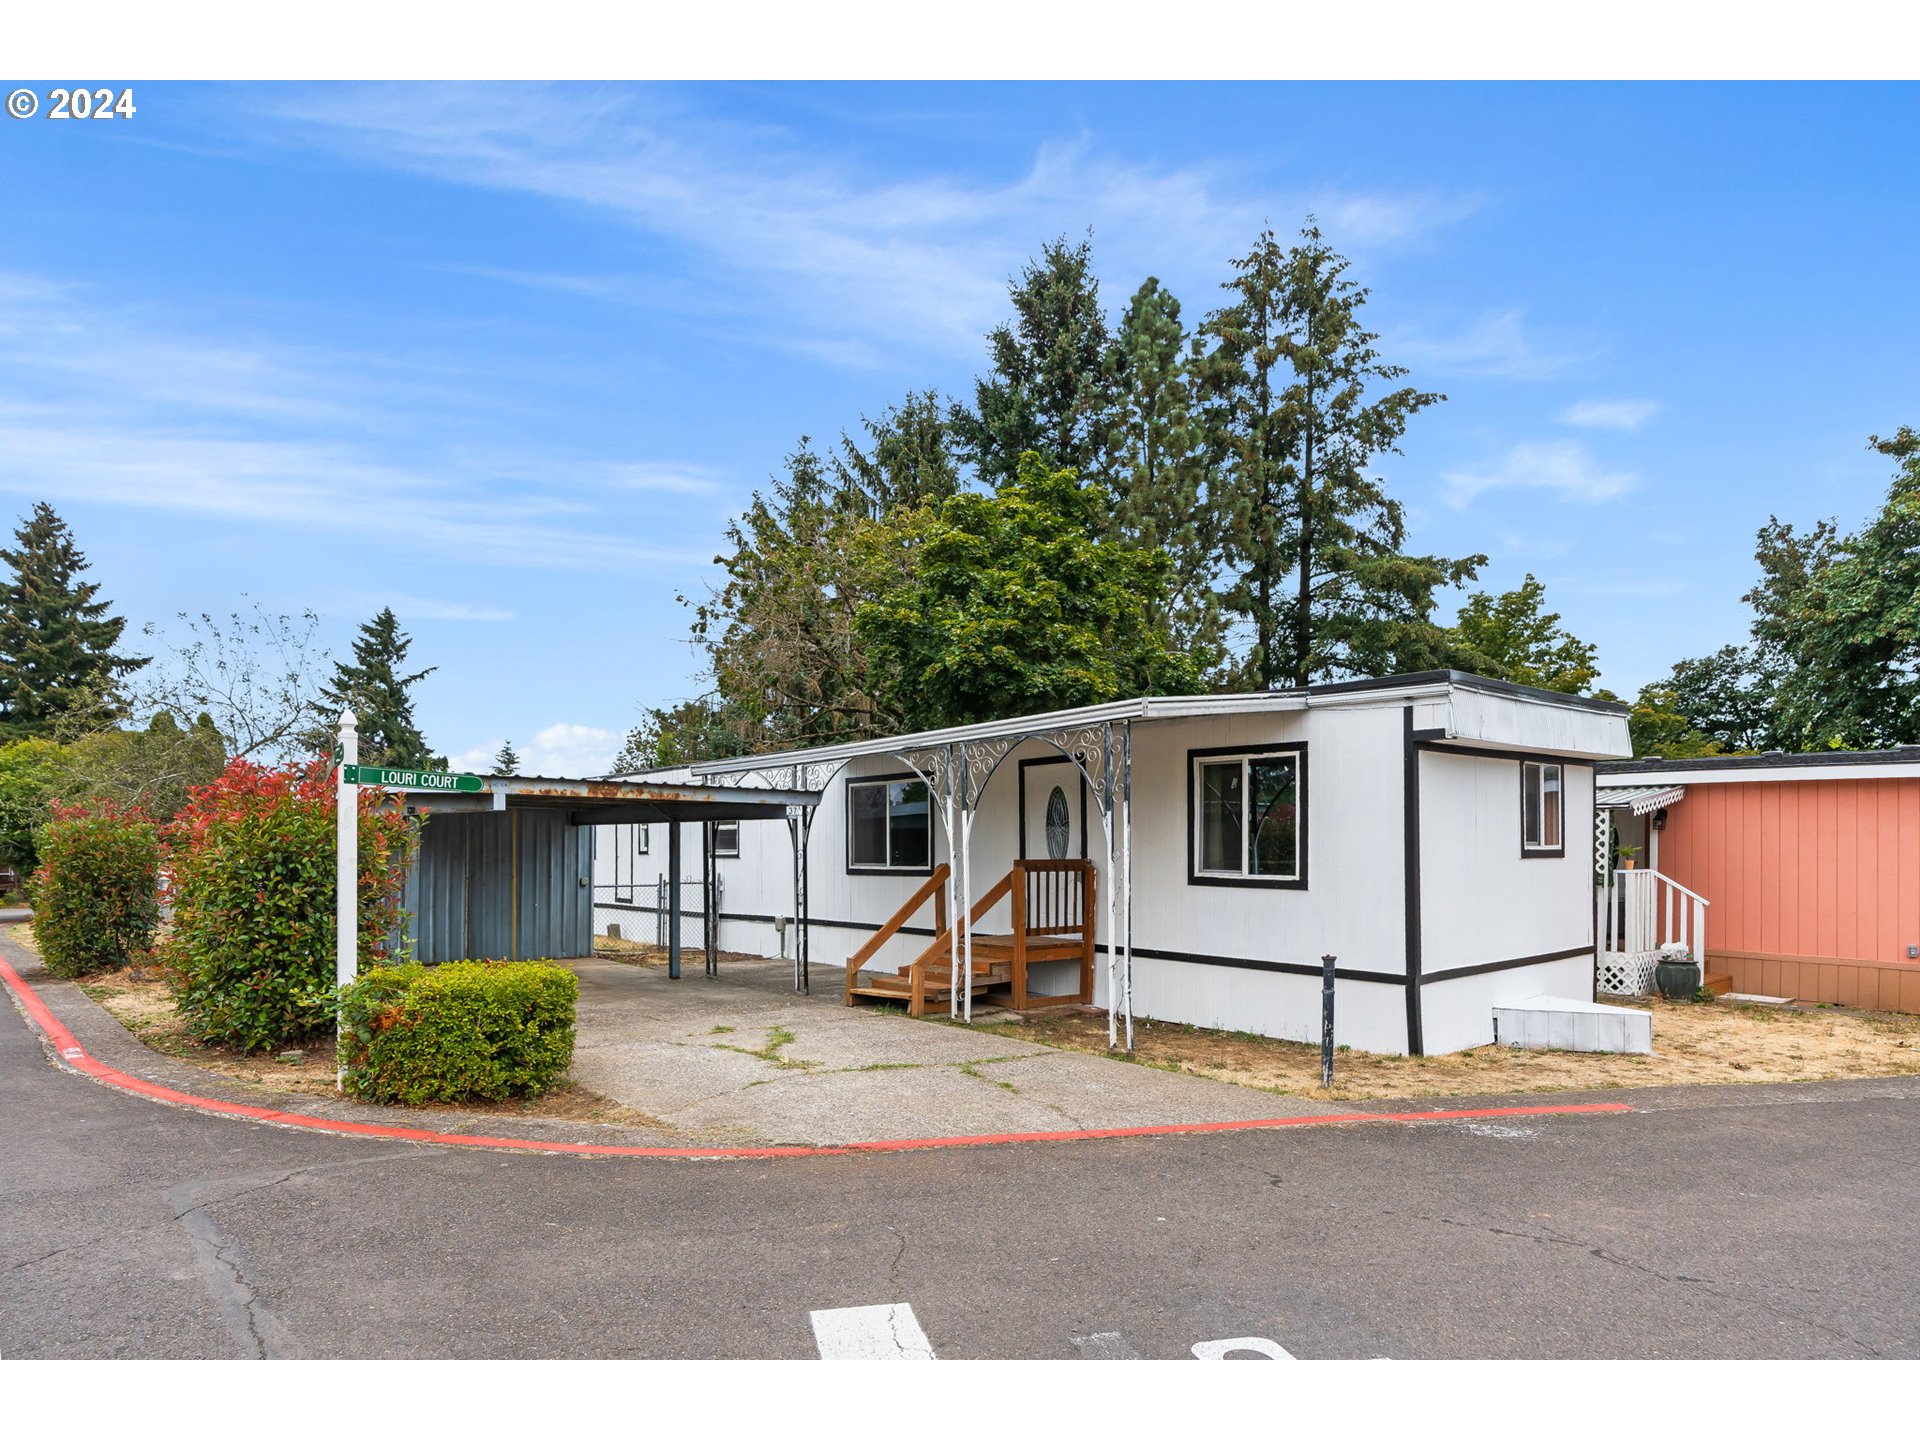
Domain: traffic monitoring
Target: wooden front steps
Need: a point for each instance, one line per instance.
(1052, 906)
(1720, 984)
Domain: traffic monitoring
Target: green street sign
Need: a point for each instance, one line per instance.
(442, 780)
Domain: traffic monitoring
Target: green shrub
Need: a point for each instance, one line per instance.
(95, 896)
(251, 876)
(469, 1029)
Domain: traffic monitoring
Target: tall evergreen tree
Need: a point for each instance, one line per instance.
(1324, 580)
(58, 666)
(506, 760)
(1158, 467)
(1243, 381)
(908, 458)
(1045, 392)
(374, 688)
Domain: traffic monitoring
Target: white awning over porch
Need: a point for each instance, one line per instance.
(1640, 799)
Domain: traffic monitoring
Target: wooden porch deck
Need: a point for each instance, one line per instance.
(1052, 906)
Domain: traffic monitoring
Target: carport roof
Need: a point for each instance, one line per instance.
(617, 802)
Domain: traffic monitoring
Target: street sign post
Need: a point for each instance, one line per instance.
(444, 781)
(346, 872)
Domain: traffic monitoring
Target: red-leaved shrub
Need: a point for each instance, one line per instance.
(250, 864)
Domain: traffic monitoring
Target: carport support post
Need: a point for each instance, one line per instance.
(800, 830)
(673, 901)
(710, 902)
(346, 877)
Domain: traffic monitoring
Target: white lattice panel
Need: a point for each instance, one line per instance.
(1623, 974)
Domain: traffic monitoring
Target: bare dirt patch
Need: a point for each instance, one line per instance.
(139, 998)
(642, 952)
(1719, 1043)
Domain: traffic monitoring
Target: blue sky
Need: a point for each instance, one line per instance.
(507, 357)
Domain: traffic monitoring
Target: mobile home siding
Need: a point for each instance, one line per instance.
(1814, 885)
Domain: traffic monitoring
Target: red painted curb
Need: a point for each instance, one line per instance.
(75, 1056)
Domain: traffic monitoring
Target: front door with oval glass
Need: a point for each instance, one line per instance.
(1053, 811)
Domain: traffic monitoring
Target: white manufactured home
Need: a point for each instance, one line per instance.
(1186, 858)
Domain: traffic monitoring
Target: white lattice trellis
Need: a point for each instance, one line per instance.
(1623, 974)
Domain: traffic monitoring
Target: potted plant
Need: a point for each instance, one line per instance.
(1676, 974)
(1627, 852)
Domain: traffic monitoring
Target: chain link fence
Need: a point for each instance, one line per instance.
(639, 913)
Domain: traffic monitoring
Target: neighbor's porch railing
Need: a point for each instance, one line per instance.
(1635, 915)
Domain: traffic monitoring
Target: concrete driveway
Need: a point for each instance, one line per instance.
(743, 1059)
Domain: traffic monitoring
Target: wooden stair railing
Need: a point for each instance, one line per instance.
(1047, 901)
(1047, 898)
(934, 889)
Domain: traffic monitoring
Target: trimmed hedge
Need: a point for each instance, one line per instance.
(466, 1030)
(95, 896)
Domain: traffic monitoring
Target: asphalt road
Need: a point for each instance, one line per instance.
(1748, 1221)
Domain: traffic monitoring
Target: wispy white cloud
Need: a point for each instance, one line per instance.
(1496, 345)
(424, 607)
(108, 404)
(1561, 466)
(812, 252)
(1535, 547)
(1626, 415)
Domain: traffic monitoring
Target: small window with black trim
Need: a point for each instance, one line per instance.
(889, 825)
(726, 839)
(1542, 805)
(1247, 818)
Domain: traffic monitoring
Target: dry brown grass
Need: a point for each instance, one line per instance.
(1720, 1043)
(140, 999)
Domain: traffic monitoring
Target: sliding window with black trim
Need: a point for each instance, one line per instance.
(889, 826)
(726, 839)
(1247, 816)
(1542, 810)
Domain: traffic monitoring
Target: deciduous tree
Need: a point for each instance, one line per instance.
(1513, 636)
(1015, 603)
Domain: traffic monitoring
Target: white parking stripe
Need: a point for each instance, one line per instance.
(1107, 1345)
(1253, 1344)
(870, 1332)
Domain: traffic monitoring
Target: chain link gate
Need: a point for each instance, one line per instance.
(640, 912)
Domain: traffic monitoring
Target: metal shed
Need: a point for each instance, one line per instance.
(507, 874)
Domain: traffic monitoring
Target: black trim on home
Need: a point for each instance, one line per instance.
(1303, 802)
(1279, 967)
(1771, 760)
(1492, 965)
(1183, 957)
(846, 805)
(1410, 865)
(1466, 681)
(1021, 775)
(1481, 752)
(1543, 852)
